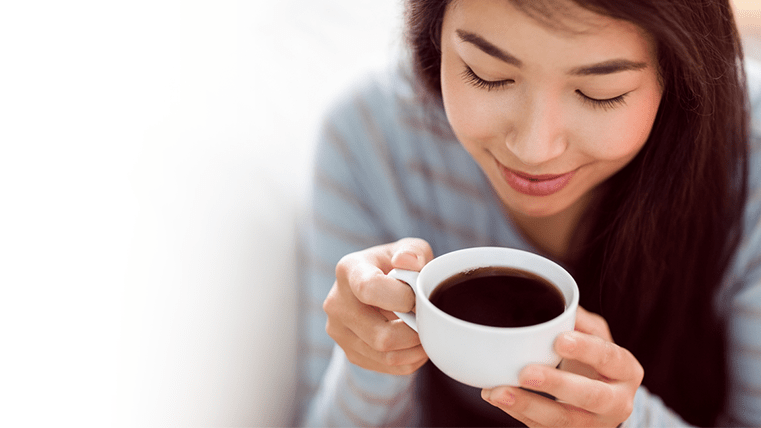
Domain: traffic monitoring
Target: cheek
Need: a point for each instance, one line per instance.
(623, 137)
(474, 117)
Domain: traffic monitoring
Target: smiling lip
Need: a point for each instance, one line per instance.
(536, 185)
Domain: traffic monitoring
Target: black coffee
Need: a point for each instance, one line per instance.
(499, 297)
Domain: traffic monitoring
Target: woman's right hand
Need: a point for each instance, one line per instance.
(361, 303)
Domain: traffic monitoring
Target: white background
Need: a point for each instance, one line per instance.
(153, 159)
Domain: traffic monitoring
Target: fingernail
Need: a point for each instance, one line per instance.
(404, 253)
(534, 378)
(507, 400)
(409, 253)
(569, 342)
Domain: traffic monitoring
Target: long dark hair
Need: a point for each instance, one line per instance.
(670, 221)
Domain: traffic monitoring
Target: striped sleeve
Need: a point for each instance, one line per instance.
(352, 396)
(650, 411)
(743, 290)
(354, 206)
(744, 312)
(739, 302)
(744, 328)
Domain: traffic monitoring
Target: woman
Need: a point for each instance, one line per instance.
(610, 136)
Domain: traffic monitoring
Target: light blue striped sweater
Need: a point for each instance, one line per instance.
(386, 170)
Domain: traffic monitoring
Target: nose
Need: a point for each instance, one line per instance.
(539, 134)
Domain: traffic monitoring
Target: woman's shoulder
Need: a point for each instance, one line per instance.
(387, 99)
(381, 120)
(386, 88)
(745, 274)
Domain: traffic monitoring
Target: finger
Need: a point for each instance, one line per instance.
(579, 368)
(411, 254)
(367, 323)
(592, 323)
(535, 410)
(390, 335)
(580, 391)
(363, 275)
(401, 362)
(503, 398)
(388, 314)
(370, 364)
(607, 358)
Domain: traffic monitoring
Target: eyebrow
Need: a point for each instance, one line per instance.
(488, 48)
(602, 68)
(608, 67)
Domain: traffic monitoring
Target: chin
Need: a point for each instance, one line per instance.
(534, 208)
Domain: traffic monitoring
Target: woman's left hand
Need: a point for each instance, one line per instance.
(594, 386)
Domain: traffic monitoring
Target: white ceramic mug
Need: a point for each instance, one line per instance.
(478, 355)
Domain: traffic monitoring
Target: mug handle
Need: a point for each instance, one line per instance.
(409, 277)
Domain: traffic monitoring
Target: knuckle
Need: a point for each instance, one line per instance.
(594, 397)
(407, 369)
(329, 329)
(621, 408)
(627, 409)
(360, 288)
(603, 400)
(363, 286)
(393, 358)
(410, 370)
(329, 303)
(384, 340)
(609, 355)
(403, 370)
(639, 373)
(343, 266)
(352, 357)
(351, 279)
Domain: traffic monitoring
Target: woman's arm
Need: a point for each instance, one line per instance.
(370, 377)
(744, 320)
(350, 211)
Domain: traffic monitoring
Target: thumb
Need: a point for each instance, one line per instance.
(411, 254)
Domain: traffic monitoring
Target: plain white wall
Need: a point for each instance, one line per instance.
(153, 159)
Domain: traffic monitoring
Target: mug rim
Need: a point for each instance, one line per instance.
(570, 307)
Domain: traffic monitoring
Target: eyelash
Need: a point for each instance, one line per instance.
(606, 104)
(471, 77)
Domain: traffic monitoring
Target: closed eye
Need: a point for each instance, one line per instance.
(472, 78)
(605, 104)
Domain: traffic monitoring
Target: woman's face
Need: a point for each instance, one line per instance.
(547, 113)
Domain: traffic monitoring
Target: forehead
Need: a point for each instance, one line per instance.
(560, 28)
(563, 16)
